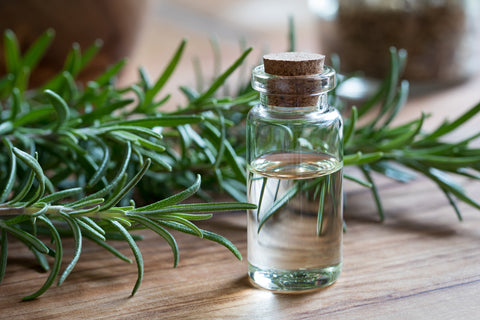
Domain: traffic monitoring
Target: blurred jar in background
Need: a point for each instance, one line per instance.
(115, 22)
(440, 36)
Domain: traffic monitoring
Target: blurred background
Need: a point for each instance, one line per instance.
(441, 36)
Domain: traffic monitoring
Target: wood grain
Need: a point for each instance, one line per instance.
(421, 263)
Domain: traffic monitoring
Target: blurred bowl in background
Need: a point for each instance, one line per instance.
(116, 22)
(441, 37)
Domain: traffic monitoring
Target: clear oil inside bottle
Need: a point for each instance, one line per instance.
(295, 234)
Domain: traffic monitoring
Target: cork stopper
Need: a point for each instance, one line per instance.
(293, 84)
(293, 63)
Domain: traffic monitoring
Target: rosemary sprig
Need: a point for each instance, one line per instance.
(399, 152)
(403, 151)
(102, 221)
(72, 154)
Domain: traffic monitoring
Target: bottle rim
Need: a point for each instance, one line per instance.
(305, 85)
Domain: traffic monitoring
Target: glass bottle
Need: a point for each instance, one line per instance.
(294, 160)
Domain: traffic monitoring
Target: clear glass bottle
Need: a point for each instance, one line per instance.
(295, 160)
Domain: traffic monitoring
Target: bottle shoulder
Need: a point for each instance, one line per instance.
(261, 113)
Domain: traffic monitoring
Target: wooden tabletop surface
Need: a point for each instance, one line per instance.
(420, 263)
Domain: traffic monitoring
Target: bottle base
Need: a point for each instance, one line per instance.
(290, 281)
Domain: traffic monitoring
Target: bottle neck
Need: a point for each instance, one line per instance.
(294, 103)
(294, 93)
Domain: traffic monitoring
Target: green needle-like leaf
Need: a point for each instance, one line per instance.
(61, 107)
(453, 204)
(36, 168)
(94, 232)
(56, 264)
(13, 170)
(61, 195)
(77, 236)
(136, 253)
(376, 196)
(153, 91)
(221, 79)
(86, 202)
(16, 107)
(446, 183)
(133, 129)
(118, 177)
(201, 207)
(291, 35)
(289, 194)
(90, 53)
(351, 126)
(230, 153)
(160, 121)
(179, 197)
(152, 225)
(357, 180)
(109, 248)
(115, 199)
(403, 139)
(92, 224)
(393, 171)
(105, 111)
(6, 127)
(321, 207)
(206, 235)
(106, 77)
(33, 116)
(42, 260)
(26, 237)
(102, 169)
(73, 61)
(262, 192)
(222, 141)
(182, 221)
(399, 102)
(446, 128)
(12, 52)
(38, 49)
(359, 158)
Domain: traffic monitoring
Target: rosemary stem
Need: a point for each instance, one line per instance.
(15, 211)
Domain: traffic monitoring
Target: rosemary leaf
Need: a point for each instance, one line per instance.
(56, 264)
(25, 237)
(376, 196)
(37, 50)
(290, 193)
(153, 91)
(12, 52)
(12, 175)
(152, 225)
(321, 206)
(135, 250)
(77, 236)
(174, 199)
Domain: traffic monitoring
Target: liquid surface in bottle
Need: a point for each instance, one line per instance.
(298, 225)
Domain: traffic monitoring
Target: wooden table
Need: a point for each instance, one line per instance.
(421, 263)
